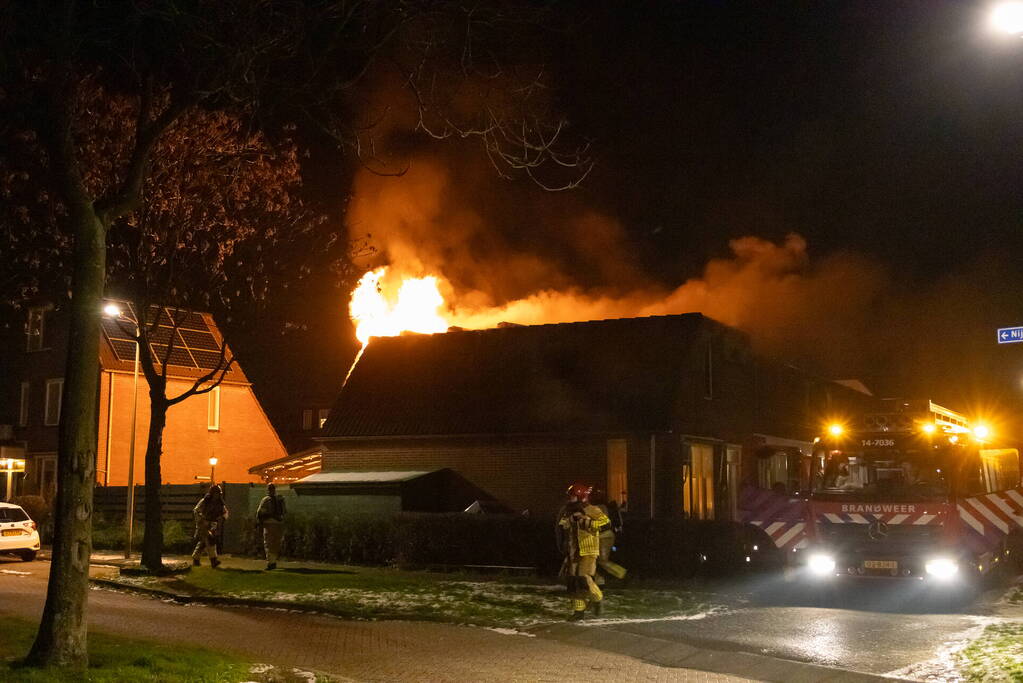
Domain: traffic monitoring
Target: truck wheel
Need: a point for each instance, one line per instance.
(28, 555)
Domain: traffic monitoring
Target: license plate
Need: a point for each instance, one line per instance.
(880, 564)
(11, 532)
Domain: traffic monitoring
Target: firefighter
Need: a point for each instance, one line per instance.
(270, 515)
(209, 513)
(582, 523)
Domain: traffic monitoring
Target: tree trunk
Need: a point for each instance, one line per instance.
(61, 639)
(152, 544)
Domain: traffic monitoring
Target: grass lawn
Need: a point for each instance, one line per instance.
(997, 655)
(372, 593)
(114, 660)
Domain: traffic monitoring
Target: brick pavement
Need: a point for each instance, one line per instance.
(365, 651)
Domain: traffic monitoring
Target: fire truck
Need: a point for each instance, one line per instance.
(914, 492)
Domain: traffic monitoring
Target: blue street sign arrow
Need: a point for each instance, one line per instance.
(1010, 335)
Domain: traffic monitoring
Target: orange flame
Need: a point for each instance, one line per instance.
(414, 308)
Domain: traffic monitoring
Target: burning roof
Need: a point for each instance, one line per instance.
(588, 377)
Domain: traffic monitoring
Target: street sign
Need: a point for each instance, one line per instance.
(1010, 335)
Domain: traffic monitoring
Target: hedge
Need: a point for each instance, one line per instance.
(652, 548)
(109, 534)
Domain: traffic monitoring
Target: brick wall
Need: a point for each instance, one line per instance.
(245, 437)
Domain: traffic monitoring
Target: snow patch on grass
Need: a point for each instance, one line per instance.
(510, 631)
(973, 656)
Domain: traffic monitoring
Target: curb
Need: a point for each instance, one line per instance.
(666, 653)
(674, 654)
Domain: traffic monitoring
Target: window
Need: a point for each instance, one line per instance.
(54, 389)
(324, 413)
(698, 482)
(13, 515)
(213, 410)
(23, 411)
(47, 475)
(708, 373)
(307, 419)
(617, 471)
(34, 329)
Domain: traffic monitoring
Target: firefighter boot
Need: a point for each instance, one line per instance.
(598, 608)
(577, 615)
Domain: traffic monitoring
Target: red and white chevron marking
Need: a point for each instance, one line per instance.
(786, 535)
(993, 514)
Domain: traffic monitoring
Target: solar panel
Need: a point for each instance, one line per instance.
(178, 356)
(162, 335)
(124, 350)
(188, 320)
(208, 360)
(114, 330)
(194, 344)
(194, 339)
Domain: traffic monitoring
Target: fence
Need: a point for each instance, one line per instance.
(176, 503)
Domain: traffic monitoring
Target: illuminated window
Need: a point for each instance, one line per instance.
(307, 419)
(34, 329)
(213, 410)
(23, 412)
(617, 470)
(324, 412)
(54, 389)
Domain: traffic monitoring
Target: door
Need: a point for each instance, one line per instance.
(618, 471)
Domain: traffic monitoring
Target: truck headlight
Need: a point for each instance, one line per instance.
(941, 567)
(820, 564)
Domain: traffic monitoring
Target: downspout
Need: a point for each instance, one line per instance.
(110, 429)
(653, 471)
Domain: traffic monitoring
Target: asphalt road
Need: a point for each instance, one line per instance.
(354, 650)
(874, 627)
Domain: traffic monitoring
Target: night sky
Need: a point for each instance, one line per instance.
(884, 133)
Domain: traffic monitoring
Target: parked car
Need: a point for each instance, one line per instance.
(18, 533)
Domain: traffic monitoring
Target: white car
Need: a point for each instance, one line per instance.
(18, 533)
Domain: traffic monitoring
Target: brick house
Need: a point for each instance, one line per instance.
(227, 423)
(667, 413)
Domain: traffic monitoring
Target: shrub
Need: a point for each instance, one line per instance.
(108, 534)
(654, 548)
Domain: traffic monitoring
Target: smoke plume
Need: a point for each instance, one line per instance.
(527, 264)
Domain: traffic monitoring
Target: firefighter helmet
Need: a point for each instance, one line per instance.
(580, 491)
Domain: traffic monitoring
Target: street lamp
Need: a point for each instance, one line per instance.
(1007, 17)
(114, 311)
(213, 470)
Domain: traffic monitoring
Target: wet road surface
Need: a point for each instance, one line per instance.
(875, 627)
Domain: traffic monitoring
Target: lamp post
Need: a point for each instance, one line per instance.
(114, 311)
(213, 470)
